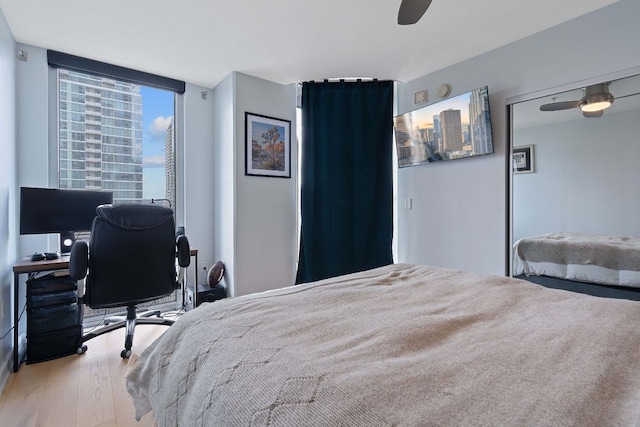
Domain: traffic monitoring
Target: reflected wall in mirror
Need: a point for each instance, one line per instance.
(587, 178)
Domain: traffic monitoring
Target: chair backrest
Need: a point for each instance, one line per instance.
(132, 255)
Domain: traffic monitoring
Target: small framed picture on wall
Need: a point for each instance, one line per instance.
(268, 146)
(523, 159)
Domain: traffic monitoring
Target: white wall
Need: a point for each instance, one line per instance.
(266, 241)
(459, 210)
(257, 229)
(223, 185)
(586, 177)
(8, 211)
(199, 175)
(33, 158)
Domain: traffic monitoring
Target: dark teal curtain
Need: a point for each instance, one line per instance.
(346, 176)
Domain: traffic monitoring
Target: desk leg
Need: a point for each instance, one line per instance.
(16, 320)
(195, 282)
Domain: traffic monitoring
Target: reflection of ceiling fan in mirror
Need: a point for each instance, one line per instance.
(596, 99)
(412, 10)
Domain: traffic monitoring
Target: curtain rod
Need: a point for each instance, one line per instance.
(343, 79)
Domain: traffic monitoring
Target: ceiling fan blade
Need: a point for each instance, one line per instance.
(412, 10)
(592, 114)
(555, 106)
(627, 95)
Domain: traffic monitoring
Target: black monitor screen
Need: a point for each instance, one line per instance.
(52, 210)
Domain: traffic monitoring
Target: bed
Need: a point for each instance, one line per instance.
(601, 259)
(401, 345)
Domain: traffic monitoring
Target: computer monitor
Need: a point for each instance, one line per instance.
(54, 210)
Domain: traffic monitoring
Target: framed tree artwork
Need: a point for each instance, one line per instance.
(523, 161)
(267, 146)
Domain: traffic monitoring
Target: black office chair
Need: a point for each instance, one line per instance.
(131, 259)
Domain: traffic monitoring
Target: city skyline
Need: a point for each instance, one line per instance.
(423, 117)
(113, 136)
(450, 129)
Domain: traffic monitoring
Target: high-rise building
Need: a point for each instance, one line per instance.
(437, 134)
(451, 127)
(480, 122)
(170, 164)
(100, 135)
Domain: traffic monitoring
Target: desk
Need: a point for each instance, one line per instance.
(26, 266)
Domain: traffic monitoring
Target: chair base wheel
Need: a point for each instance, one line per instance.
(125, 354)
(81, 349)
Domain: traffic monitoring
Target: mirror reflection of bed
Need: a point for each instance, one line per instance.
(576, 215)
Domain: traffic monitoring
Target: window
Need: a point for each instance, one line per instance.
(115, 131)
(116, 136)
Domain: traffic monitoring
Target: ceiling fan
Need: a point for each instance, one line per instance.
(596, 98)
(412, 10)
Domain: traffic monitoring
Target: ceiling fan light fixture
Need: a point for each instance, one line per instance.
(597, 98)
(590, 107)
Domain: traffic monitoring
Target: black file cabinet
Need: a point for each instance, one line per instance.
(54, 318)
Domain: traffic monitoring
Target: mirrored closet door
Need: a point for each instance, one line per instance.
(577, 166)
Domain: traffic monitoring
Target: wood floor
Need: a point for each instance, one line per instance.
(78, 390)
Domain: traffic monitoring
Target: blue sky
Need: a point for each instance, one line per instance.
(258, 128)
(157, 111)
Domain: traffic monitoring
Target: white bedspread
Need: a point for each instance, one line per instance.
(609, 260)
(402, 345)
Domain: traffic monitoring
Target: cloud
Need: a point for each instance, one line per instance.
(159, 125)
(153, 162)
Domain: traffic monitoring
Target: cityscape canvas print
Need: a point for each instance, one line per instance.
(268, 146)
(455, 128)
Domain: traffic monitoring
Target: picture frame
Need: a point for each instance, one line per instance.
(523, 159)
(267, 146)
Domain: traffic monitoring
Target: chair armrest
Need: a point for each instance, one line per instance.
(79, 260)
(184, 251)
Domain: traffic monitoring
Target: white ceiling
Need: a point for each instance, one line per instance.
(286, 41)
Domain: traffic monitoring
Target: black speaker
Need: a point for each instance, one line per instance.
(67, 239)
